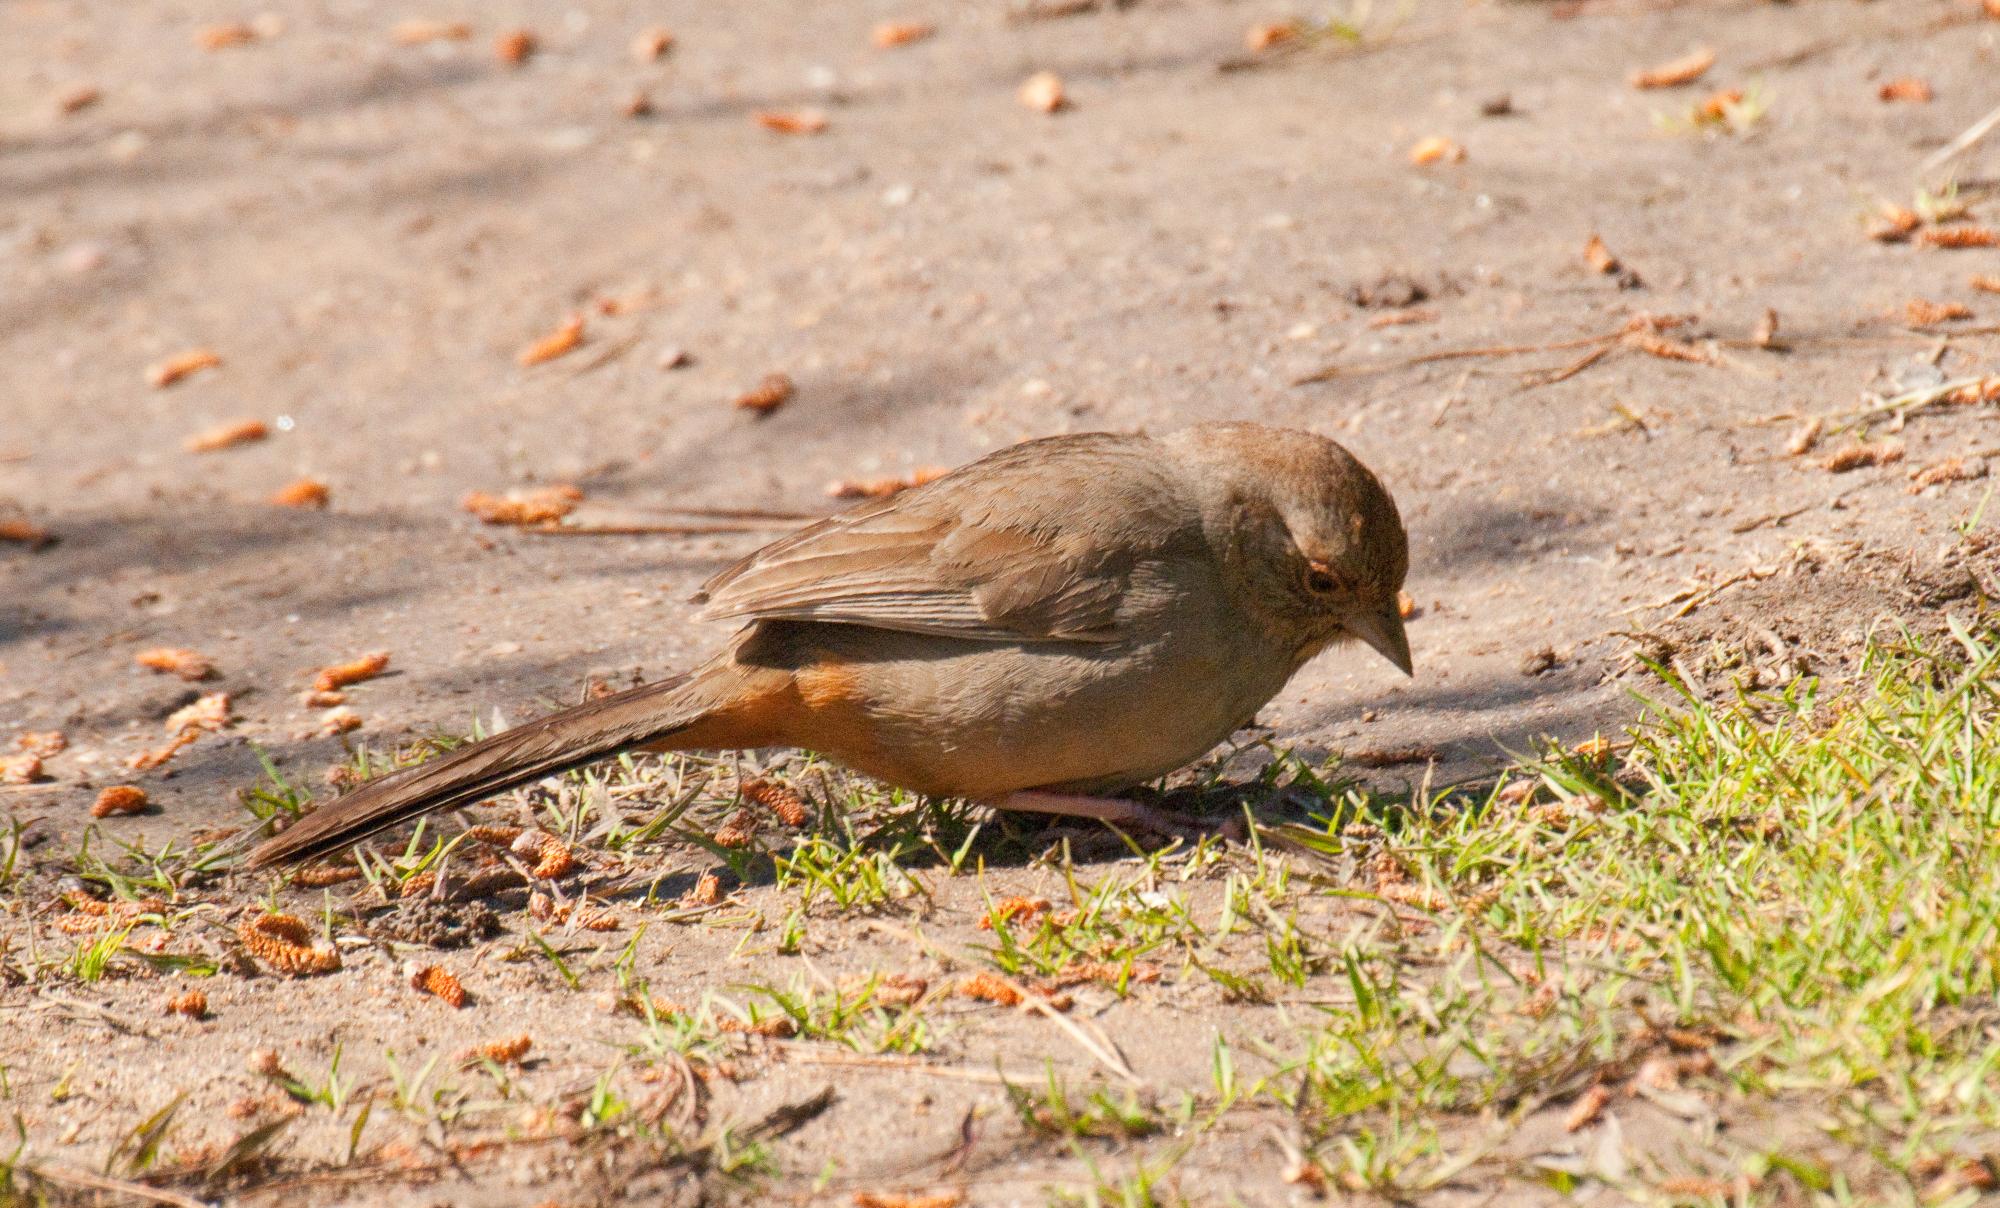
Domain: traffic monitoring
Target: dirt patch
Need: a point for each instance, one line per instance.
(364, 229)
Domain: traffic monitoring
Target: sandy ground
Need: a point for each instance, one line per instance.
(368, 233)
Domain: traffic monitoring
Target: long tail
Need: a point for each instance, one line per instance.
(546, 747)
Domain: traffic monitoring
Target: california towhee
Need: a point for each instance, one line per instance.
(1070, 616)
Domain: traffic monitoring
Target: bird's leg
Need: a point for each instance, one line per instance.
(1114, 810)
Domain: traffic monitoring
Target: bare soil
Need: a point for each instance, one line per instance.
(367, 234)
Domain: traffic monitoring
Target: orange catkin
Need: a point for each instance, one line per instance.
(340, 675)
(188, 664)
(119, 799)
(780, 799)
(284, 942)
(438, 982)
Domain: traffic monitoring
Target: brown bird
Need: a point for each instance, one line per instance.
(1068, 617)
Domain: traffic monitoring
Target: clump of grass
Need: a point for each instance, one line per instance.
(1789, 897)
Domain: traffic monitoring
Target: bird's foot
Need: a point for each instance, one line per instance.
(1118, 811)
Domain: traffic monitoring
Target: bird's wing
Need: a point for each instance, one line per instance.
(1035, 543)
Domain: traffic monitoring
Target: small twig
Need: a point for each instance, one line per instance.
(1913, 400)
(810, 1055)
(1773, 519)
(99, 1182)
(637, 530)
(1329, 372)
(1549, 377)
(1951, 150)
(609, 353)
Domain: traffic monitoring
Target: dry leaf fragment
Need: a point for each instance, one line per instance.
(1959, 237)
(340, 675)
(502, 1052)
(1599, 257)
(514, 47)
(323, 700)
(210, 712)
(651, 44)
(1718, 104)
(1437, 149)
(558, 342)
(1906, 88)
(1265, 35)
(1013, 910)
(81, 96)
(20, 769)
(189, 665)
(1921, 312)
(118, 799)
(1986, 283)
(1805, 438)
(791, 121)
(303, 493)
(882, 488)
(1951, 469)
(905, 1199)
(1765, 334)
(193, 1004)
(179, 366)
(1587, 1108)
(418, 30)
(768, 395)
(236, 432)
(438, 982)
(1892, 223)
(890, 34)
(44, 743)
(1855, 457)
(23, 533)
(339, 720)
(707, 891)
(146, 761)
(221, 37)
(285, 943)
(782, 800)
(544, 506)
(1043, 92)
(1675, 72)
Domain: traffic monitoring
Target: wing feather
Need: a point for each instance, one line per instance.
(1035, 543)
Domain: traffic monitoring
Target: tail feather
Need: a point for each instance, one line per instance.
(546, 747)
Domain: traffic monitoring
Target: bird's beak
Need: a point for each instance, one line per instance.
(1382, 629)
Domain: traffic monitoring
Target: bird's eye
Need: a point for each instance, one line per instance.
(1321, 579)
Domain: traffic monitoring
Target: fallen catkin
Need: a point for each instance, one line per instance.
(780, 799)
(284, 942)
(438, 982)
